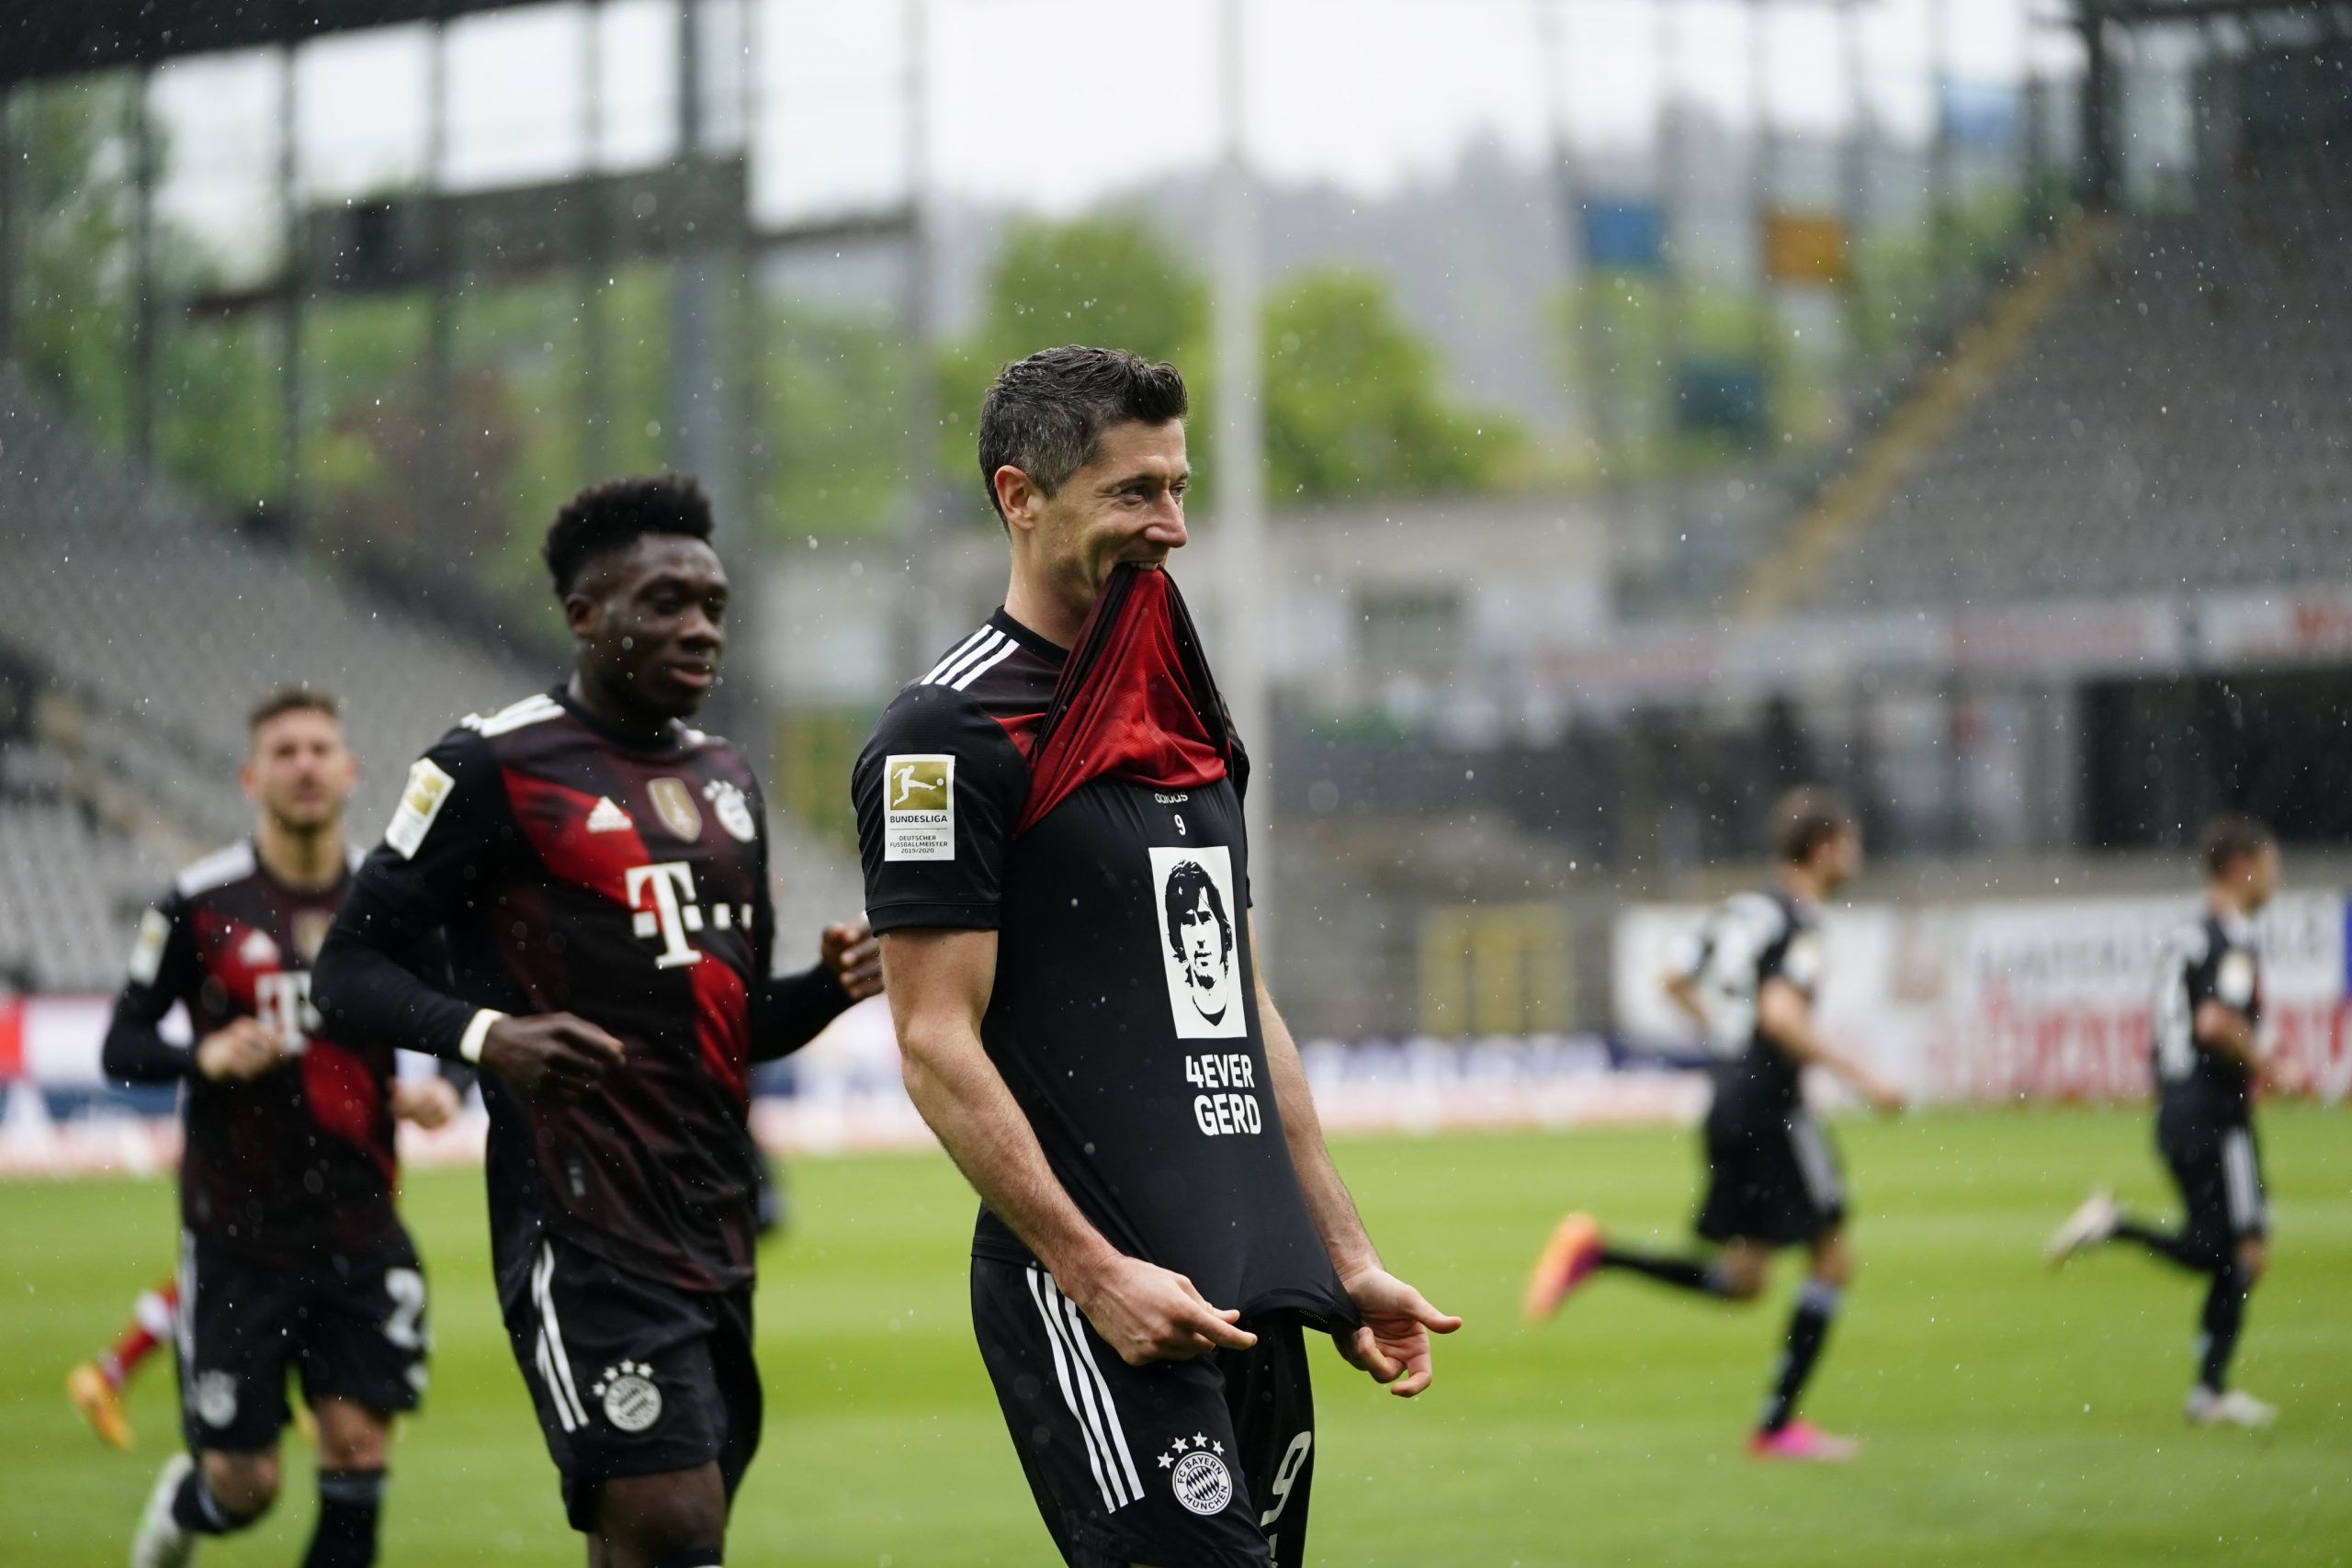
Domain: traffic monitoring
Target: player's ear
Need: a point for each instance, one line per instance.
(1017, 498)
(245, 779)
(583, 613)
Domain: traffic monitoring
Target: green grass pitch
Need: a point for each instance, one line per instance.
(2011, 1417)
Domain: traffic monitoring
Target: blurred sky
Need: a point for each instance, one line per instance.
(1055, 103)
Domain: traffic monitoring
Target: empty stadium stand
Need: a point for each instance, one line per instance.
(2180, 420)
(148, 626)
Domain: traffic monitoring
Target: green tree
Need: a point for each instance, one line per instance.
(77, 299)
(1356, 403)
(74, 202)
(1110, 279)
(1355, 400)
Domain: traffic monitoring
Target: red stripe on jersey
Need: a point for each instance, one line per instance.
(346, 1099)
(222, 941)
(723, 1027)
(1021, 729)
(556, 821)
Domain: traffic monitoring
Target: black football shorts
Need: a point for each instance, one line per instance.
(350, 1327)
(1772, 1178)
(2217, 1164)
(1204, 1463)
(631, 1376)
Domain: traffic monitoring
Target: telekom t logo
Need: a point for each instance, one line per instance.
(662, 894)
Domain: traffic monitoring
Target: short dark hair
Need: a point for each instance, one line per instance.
(297, 698)
(612, 514)
(1805, 818)
(2229, 838)
(1187, 880)
(1044, 414)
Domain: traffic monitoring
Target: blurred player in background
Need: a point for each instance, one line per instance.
(292, 1256)
(600, 870)
(1749, 980)
(2208, 1063)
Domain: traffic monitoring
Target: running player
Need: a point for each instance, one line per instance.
(2208, 1061)
(600, 870)
(1748, 981)
(1051, 827)
(292, 1254)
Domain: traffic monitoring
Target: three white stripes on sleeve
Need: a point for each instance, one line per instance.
(973, 658)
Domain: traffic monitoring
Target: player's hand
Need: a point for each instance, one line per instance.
(429, 1102)
(851, 951)
(238, 1050)
(1885, 1098)
(551, 1056)
(1149, 1313)
(1393, 1345)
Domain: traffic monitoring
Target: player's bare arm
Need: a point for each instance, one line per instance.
(1785, 1016)
(1682, 990)
(939, 982)
(1393, 1344)
(430, 1103)
(2228, 1033)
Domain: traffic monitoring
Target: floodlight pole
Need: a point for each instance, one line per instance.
(2098, 150)
(1583, 420)
(595, 256)
(7, 222)
(441, 313)
(1240, 452)
(143, 269)
(928, 502)
(1858, 198)
(696, 440)
(289, 318)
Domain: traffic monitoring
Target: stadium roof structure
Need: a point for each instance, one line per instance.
(64, 38)
(2135, 11)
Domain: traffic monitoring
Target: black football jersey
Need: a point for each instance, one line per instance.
(574, 869)
(2212, 959)
(1125, 1018)
(1749, 939)
(297, 1163)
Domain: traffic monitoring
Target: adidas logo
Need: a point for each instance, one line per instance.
(608, 818)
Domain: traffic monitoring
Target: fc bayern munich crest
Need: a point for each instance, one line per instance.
(726, 799)
(1197, 1469)
(631, 1402)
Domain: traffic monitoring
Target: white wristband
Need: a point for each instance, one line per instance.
(469, 1042)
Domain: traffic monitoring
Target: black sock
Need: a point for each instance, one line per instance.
(195, 1508)
(1808, 1327)
(2166, 1245)
(350, 1501)
(1683, 1273)
(2224, 1316)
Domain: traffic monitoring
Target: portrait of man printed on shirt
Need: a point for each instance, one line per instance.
(1203, 964)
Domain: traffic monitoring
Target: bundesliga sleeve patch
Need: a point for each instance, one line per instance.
(918, 806)
(421, 802)
(2234, 983)
(147, 953)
